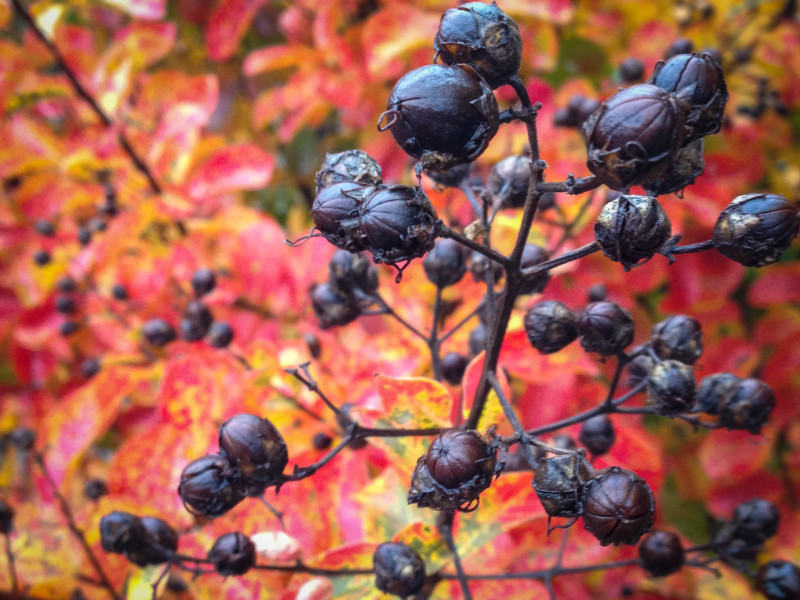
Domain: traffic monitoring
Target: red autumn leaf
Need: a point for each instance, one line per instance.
(243, 167)
(227, 24)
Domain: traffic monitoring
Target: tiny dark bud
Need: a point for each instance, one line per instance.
(45, 228)
(453, 366)
(23, 439)
(119, 292)
(65, 305)
(66, 284)
(197, 312)
(715, 391)
(158, 332)
(67, 328)
(550, 326)
(41, 257)
(333, 309)
(349, 271)
(95, 489)
(481, 265)
(631, 70)
(779, 580)
(640, 366)
(210, 486)
(510, 179)
(254, 446)
(446, 263)
(559, 481)
(678, 337)
(98, 225)
(749, 406)
(350, 165)
(398, 569)
(477, 339)
(90, 367)
(203, 281)
(631, 229)
(191, 331)
(605, 328)
(671, 387)
(679, 46)
(597, 293)
(313, 344)
(321, 441)
(597, 434)
(564, 441)
(84, 236)
(220, 334)
(232, 554)
(532, 255)
(158, 546)
(661, 553)
(6, 518)
(120, 531)
(618, 506)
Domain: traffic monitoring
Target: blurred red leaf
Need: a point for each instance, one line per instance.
(245, 167)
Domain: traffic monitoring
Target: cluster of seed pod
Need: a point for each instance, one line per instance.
(143, 540)
(352, 283)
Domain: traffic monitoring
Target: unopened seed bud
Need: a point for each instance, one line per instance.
(550, 326)
(671, 387)
(678, 337)
(255, 447)
(749, 407)
(661, 553)
(232, 554)
(605, 328)
(398, 569)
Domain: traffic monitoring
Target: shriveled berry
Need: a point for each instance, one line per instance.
(95, 489)
(210, 486)
(119, 292)
(335, 212)
(120, 531)
(749, 407)
(42, 257)
(90, 367)
(477, 339)
(453, 367)
(687, 165)
(67, 328)
(158, 332)
(350, 165)
(446, 263)
(559, 481)
(158, 546)
(631, 70)
(509, 180)
(631, 138)
(333, 309)
(44, 227)
(678, 337)
(348, 272)
(232, 554)
(65, 305)
(220, 334)
(756, 229)
(203, 281)
(631, 229)
(715, 391)
(442, 115)
(550, 326)
(458, 466)
(532, 255)
(661, 553)
(254, 445)
(618, 506)
(779, 580)
(597, 434)
(605, 328)
(398, 569)
(671, 387)
(6, 518)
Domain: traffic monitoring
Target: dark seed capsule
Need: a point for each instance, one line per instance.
(450, 178)
(661, 553)
(477, 339)
(453, 367)
(203, 281)
(510, 179)
(232, 554)
(446, 263)
(779, 580)
(550, 326)
(350, 165)
(564, 441)
(687, 165)
(533, 255)
(191, 331)
(6, 518)
(98, 225)
(631, 229)
(597, 434)
(210, 487)
(158, 332)
(631, 70)
(199, 313)
(158, 546)
(321, 441)
(84, 236)
(119, 292)
(120, 531)
(640, 365)
(631, 138)
(398, 569)
(597, 293)
(333, 309)
(313, 344)
(756, 229)
(444, 116)
(255, 447)
(605, 328)
(749, 406)
(220, 334)
(671, 387)
(90, 367)
(65, 305)
(678, 337)
(45, 228)
(42, 257)
(67, 328)
(95, 489)
(558, 482)
(336, 213)
(66, 284)
(582, 108)
(23, 439)
(349, 271)
(715, 391)
(618, 506)
(755, 521)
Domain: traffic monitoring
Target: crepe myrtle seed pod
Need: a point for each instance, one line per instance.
(661, 553)
(65, 305)
(597, 293)
(756, 229)
(451, 178)
(66, 284)
(333, 309)
(252, 444)
(631, 138)
(120, 531)
(532, 255)
(67, 328)
(398, 569)
(550, 326)
(191, 331)
(397, 224)
(509, 180)
(91, 367)
(597, 434)
(158, 546)
(605, 328)
(44, 227)
(755, 521)
(158, 332)
(335, 212)
(350, 165)
(220, 334)
(458, 466)
(671, 387)
(640, 365)
(749, 406)
(631, 70)
(6, 518)
(687, 165)
(210, 486)
(696, 80)
(678, 337)
(618, 506)
(41, 257)
(779, 580)
(203, 281)
(483, 36)
(478, 338)
(349, 271)
(558, 482)
(631, 229)
(119, 292)
(232, 554)
(453, 366)
(715, 391)
(444, 116)
(446, 263)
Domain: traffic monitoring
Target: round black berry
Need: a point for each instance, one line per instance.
(453, 367)
(158, 332)
(597, 434)
(333, 309)
(158, 545)
(678, 337)
(65, 305)
(84, 236)
(203, 281)
(749, 406)
(349, 272)
(679, 46)
(45, 228)
(90, 367)
(119, 292)
(631, 70)
(661, 553)
(66, 284)
(95, 489)
(120, 531)
(232, 554)
(509, 180)
(220, 334)
(779, 580)
(446, 263)
(532, 255)
(671, 387)
(550, 326)
(398, 569)
(67, 328)
(42, 257)
(715, 391)
(477, 339)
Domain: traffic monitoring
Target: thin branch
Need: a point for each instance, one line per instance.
(433, 342)
(365, 432)
(494, 255)
(388, 310)
(307, 380)
(548, 573)
(586, 250)
(12, 570)
(446, 529)
(689, 248)
(460, 324)
(512, 418)
(568, 227)
(307, 471)
(570, 186)
(158, 581)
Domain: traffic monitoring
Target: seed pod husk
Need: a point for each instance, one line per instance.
(558, 482)
(605, 328)
(335, 212)
(630, 229)
(158, 546)
(550, 326)
(120, 531)
(640, 365)
(671, 387)
(715, 391)
(252, 444)
(687, 165)
(509, 180)
(597, 434)
(350, 165)
(678, 337)
(398, 569)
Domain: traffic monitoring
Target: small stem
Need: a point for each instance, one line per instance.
(570, 186)
(586, 250)
(388, 310)
(433, 342)
(156, 583)
(446, 529)
(622, 360)
(567, 235)
(307, 471)
(548, 573)
(301, 567)
(459, 325)
(365, 432)
(494, 255)
(312, 386)
(12, 569)
(512, 418)
(689, 248)
(466, 188)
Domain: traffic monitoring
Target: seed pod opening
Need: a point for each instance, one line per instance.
(605, 328)
(210, 487)
(550, 326)
(232, 554)
(558, 482)
(671, 387)
(630, 229)
(678, 337)
(350, 165)
(398, 569)
(661, 553)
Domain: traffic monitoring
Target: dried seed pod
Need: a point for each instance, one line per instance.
(749, 406)
(66, 284)
(232, 554)
(220, 334)
(254, 446)
(510, 179)
(678, 337)
(398, 569)
(755, 521)
(67, 328)
(631, 138)
(348, 272)
(44, 227)
(158, 332)
(203, 281)
(605, 328)
(550, 326)
(779, 580)
(483, 36)
(335, 212)
(697, 80)
(630, 229)
(458, 466)
(661, 553)
(453, 367)
(397, 224)
(679, 46)
(6, 518)
(95, 489)
(597, 293)
(333, 309)
(119, 292)
(687, 165)
(532, 255)
(446, 263)
(350, 165)
(671, 387)
(90, 367)
(444, 116)
(210, 486)
(756, 229)
(715, 391)
(631, 70)
(559, 481)
(120, 531)
(618, 506)
(640, 365)
(158, 546)
(597, 434)
(579, 108)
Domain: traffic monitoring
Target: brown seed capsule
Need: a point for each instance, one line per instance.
(349, 271)
(678, 337)
(398, 569)
(350, 165)
(210, 486)
(605, 328)
(550, 326)
(510, 179)
(446, 263)
(687, 165)
(483, 36)
(444, 116)
(532, 255)
(336, 213)
(661, 553)
(597, 434)
(749, 406)
(254, 446)
(671, 387)
(715, 391)
(559, 481)
(458, 466)
(779, 580)
(158, 546)
(232, 554)
(618, 506)
(755, 521)
(120, 531)
(333, 309)
(630, 139)
(640, 365)
(631, 229)
(756, 229)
